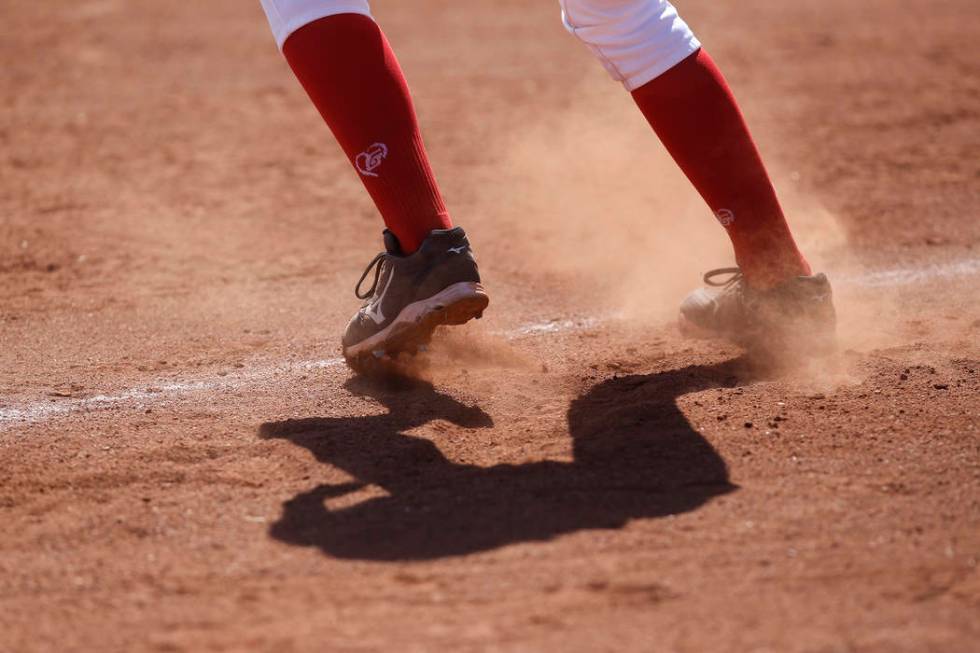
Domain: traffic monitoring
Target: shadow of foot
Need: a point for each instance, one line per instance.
(635, 456)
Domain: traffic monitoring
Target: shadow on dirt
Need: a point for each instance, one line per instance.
(635, 456)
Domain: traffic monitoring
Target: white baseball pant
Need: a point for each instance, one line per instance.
(636, 40)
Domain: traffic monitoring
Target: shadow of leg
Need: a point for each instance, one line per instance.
(636, 456)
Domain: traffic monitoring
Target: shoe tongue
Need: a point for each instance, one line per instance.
(391, 244)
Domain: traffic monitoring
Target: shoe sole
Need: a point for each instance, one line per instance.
(810, 343)
(414, 325)
(691, 330)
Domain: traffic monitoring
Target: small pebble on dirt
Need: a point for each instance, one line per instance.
(941, 386)
(748, 425)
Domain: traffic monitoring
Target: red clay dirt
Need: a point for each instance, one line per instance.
(187, 466)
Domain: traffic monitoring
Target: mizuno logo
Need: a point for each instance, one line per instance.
(459, 250)
(374, 309)
(374, 312)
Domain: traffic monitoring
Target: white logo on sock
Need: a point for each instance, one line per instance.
(371, 159)
(726, 217)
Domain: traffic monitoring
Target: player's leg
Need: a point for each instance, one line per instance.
(427, 276)
(645, 45)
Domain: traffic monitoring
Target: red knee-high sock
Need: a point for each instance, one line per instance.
(350, 72)
(695, 114)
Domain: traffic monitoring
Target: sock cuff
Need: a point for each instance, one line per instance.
(287, 16)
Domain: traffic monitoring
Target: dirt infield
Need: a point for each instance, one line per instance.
(187, 466)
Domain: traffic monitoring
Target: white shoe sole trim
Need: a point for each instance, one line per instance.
(414, 313)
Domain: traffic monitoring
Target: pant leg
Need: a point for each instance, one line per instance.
(636, 40)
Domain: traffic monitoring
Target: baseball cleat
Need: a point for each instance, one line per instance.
(797, 315)
(411, 296)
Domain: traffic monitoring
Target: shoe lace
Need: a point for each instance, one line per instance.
(735, 278)
(377, 265)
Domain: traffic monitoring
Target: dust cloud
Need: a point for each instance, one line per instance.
(611, 211)
(600, 208)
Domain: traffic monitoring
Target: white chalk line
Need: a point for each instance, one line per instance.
(155, 392)
(905, 276)
(160, 392)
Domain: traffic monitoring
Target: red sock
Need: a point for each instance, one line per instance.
(695, 115)
(350, 72)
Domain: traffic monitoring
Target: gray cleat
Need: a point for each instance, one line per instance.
(412, 295)
(795, 316)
